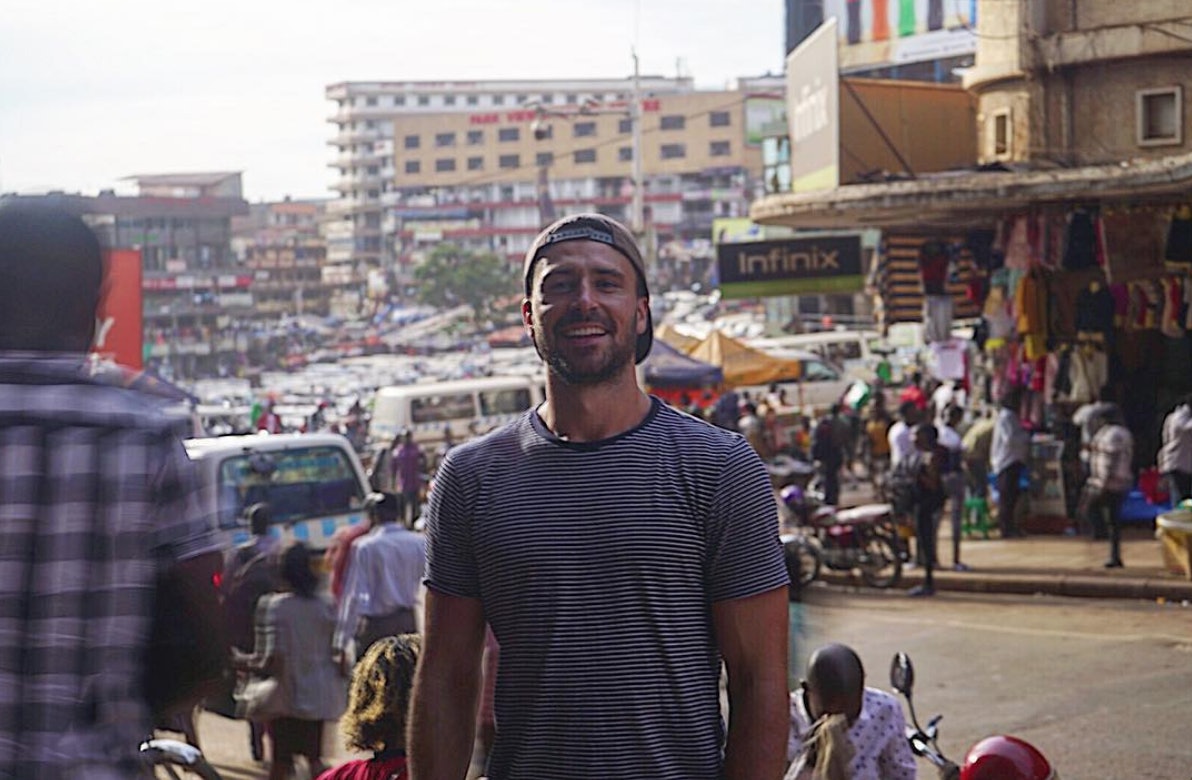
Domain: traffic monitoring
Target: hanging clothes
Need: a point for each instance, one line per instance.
(1178, 248)
(1030, 302)
(1095, 311)
(934, 262)
(1080, 246)
(1171, 323)
(937, 318)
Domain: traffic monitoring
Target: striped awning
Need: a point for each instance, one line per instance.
(899, 285)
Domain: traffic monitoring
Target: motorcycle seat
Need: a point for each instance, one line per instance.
(866, 513)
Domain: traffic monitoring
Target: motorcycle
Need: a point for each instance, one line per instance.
(860, 539)
(993, 758)
(176, 759)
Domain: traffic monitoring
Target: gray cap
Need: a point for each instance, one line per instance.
(604, 230)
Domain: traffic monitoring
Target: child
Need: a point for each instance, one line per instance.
(378, 702)
(841, 730)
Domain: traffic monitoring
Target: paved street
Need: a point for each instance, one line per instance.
(1101, 686)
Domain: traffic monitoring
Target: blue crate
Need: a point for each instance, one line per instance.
(1136, 509)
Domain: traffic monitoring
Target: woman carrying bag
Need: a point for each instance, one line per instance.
(296, 685)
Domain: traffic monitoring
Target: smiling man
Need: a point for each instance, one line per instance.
(620, 550)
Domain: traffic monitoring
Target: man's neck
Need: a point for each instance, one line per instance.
(593, 413)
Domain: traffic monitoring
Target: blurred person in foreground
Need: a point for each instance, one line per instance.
(620, 550)
(98, 504)
(840, 729)
(378, 708)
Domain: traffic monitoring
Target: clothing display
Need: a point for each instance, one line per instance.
(937, 318)
(1178, 248)
(1080, 248)
(934, 262)
(948, 359)
(1030, 302)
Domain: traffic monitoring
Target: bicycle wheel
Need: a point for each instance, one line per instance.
(880, 564)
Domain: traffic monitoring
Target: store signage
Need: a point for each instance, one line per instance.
(529, 115)
(881, 33)
(118, 318)
(813, 111)
(796, 266)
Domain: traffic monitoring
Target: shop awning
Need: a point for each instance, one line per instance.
(971, 198)
(680, 341)
(744, 365)
(667, 367)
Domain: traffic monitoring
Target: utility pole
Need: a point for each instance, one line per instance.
(635, 117)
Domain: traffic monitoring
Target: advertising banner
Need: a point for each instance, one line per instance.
(880, 33)
(795, 266)
(118, 331)
(813, 111)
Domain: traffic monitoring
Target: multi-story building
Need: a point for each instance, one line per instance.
(485, 164)
(282, 246)
(195, 294)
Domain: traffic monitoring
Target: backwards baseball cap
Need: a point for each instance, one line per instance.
(603, 230)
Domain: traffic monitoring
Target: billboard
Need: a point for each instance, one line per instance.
(763, 113)
(118, 333)
(813, 111)
(794, 266)
(880, 33)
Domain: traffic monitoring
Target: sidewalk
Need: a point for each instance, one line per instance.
(1048, 564)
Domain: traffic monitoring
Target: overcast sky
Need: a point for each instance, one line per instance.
(95, 90)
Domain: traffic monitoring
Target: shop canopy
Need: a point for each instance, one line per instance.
(680, 341)
(667, 367)
(743, 365)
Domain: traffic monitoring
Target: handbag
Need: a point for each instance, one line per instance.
(260, 698)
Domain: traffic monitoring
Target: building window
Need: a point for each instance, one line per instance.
(399, 100)
(625, 126)
(521, 99)
(543, 131)
(370, 125)
(412, 142)
(498, 100)
(449, 100)
(413, 166)
(625, 154)
(719, 149)
(509, 134)
(509, 161)
(544, 158)
(424, 100)
(585, 129)
(674, 122)
(372, 101)
(572, 99)
(720, 119)
(673, 151)
(475, 137)
(445, 165)
(548, 99)
(444, 139)
(1000, 134)
(471, 100)
(1160, 116)
(475, 163)
(373, 170)
(585, 156)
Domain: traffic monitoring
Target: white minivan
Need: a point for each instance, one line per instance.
(467, 407)
(313, 482)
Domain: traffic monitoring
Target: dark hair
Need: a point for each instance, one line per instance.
(51, 275)
(835, 672)
(296, 570)
(379, 696)
(953, 412)
(260, 517)
(907, 409)
(928, 430)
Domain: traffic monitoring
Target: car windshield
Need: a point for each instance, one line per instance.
(297, 484)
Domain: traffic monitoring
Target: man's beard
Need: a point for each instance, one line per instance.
(621, 353)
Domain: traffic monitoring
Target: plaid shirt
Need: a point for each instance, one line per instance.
(96, 497)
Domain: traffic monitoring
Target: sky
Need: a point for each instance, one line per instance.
(93, 91)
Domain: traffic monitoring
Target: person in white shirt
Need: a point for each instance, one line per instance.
(842, 730)
(954, 480)
(1175, 457)
(948, 394)
(1111, 475)
(1008, 457)
(384, 578)
(902, 442)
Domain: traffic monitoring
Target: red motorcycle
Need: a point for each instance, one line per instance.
(993, 758)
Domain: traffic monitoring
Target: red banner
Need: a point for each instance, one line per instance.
(118, 323)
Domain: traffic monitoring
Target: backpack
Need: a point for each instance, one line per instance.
(249, 576)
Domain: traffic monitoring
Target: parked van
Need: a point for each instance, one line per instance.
(856, 351)
(313, 482)
(467, 407)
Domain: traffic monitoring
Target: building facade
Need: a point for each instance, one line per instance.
(282, 245)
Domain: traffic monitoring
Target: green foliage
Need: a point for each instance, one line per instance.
(454, 276)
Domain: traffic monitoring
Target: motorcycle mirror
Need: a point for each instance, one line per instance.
(902, 674)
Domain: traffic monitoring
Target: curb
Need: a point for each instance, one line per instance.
(1070, 585)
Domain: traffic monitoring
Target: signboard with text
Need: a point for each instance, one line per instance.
(795, 266)
(880, 33)
(813, 111)
(118, 320)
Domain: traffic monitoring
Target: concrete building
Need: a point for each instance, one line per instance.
(282, 245)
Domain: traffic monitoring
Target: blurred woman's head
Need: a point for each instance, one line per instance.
(296, 570)
(379, 696)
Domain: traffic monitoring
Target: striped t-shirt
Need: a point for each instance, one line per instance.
(597, 564)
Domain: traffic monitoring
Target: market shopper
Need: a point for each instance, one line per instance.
(902, 442)
(828, 454)
(1175, 456)
(409, 469)
(614, 596)
(929, 466)
(954, 480)
(1111, 476)
(1009, 453)
(99, 504)
(977, 444)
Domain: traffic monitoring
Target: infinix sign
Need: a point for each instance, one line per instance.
(813, 111)
(829, 264)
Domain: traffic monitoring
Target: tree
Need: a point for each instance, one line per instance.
(454, 276)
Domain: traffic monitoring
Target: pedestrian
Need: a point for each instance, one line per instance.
(1089, 418)
(976, 445)
(753, 429)
(1175, 456)
(409, 468)
(378, 710)
(99, 504)
(841, 729)
(828, 455)
(902, 442)
(1111, 475)
(913, 393)
(383, 579)
(954, 480)
(877, 442)
(614, 597)
(727, 410)
(293, 647)
(1009, 453)
(929, 466)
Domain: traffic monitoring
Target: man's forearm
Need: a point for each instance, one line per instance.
(442, 726)
(759, 723)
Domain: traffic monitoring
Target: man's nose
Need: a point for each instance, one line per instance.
(585, 295)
